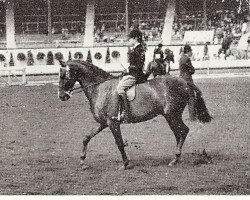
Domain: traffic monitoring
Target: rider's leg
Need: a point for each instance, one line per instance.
(125, 112)
(126, 82)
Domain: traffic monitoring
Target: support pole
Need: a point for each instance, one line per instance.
(168, 22)
(205, 14)
(126, 17)
(49, 21)
(10, 25)
(89, 24)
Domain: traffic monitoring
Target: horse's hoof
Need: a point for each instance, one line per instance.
(173, 162)
(84, 167)
(83, 157)
(128, 166)
(122, 168)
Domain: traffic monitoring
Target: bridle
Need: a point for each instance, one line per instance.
(67, 77)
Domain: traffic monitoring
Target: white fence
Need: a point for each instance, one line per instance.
(11, 76)
(118, 67)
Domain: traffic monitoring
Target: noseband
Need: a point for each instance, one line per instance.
(67, 78)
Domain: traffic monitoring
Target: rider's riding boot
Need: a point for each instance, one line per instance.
(124, 105)
(125, 111)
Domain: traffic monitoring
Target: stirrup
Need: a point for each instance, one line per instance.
(124, 117)
(121, 117)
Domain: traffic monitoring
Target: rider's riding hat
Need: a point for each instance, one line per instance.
(135, 33)
(187, 48)
(160, 45)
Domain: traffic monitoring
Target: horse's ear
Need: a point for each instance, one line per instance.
(62, 63)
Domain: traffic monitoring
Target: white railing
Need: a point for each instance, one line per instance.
(11, 75)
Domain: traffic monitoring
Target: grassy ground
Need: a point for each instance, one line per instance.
(41, 141)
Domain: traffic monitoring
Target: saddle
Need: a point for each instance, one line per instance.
(131, 92)
(123, 107)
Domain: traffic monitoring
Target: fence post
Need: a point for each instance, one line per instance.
(9, 78)
(208, 67)
(24, 76)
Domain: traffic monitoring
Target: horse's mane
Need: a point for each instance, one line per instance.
(93, 68)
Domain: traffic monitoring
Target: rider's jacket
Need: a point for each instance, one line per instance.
(186, 68)
(136, 60)
(158, 55)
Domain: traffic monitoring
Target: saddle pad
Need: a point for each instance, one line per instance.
(131, 93)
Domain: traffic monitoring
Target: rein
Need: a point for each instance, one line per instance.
(90, 85)
(71, 90)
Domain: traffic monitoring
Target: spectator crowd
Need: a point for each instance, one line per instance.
(223, 23)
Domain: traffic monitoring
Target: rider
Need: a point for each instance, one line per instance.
(225, 46)
(186, 71)
(135, 70)
(159, 57)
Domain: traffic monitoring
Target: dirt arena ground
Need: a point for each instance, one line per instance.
(41, 141)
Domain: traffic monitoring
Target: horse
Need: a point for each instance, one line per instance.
(156, 68)
(164, 95)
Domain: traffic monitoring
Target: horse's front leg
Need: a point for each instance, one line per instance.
(87, 138)
(115, 129)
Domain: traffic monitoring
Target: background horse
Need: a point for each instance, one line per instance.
(166, 96)
(154, 69)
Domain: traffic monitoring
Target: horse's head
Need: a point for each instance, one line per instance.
(67, 79)
(79, 71)
(169, 55)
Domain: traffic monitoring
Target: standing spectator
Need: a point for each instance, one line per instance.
(206, 56)
(186, 71)
(159, 58)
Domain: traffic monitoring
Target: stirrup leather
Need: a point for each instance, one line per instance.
(123, 113)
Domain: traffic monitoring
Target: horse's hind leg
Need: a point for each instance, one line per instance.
(180, 131)
(115, 129)
(87, 138)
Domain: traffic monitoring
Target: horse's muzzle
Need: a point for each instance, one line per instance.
(65, 97)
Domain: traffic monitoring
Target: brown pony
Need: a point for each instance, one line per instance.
(156, 69)
(164, 95)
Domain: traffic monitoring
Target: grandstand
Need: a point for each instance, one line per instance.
(50, 21)
(81, 26)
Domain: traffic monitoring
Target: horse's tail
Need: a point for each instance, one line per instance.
(200, 109)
